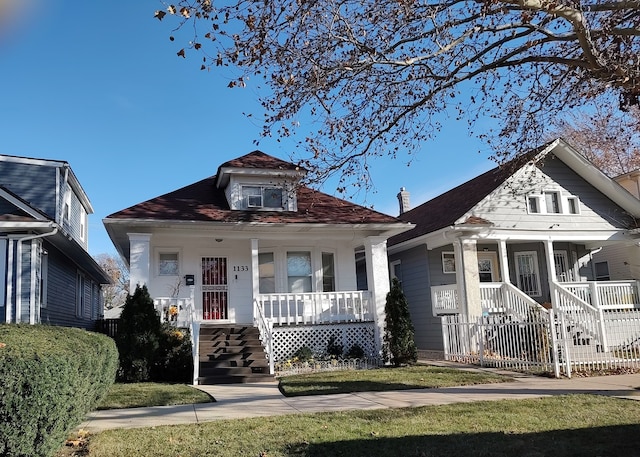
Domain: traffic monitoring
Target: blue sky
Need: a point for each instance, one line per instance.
(98, 84)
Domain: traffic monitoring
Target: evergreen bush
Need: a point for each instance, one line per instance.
(138, 339)
(149, 350)
(50, 378)
(399, 346)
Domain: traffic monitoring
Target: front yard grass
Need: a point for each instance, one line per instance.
(135, 395)
(382, 379)
(573, 425)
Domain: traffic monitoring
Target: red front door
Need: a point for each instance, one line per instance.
(214, 288)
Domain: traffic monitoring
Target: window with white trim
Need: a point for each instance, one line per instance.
(266, 273)
(83, 223)
(299, 272)
(552, 202)
(80, 298)
(448, 262)
(66, 215)
(168, 264)
(328, 273)
(267, 197)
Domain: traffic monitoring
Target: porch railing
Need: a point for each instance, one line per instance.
(316, 308)
(586, 322)
(265, 327)
(176, 311)
(495, 297)
(502, 297)
(444, 300)
(181, 312)
(606, 294)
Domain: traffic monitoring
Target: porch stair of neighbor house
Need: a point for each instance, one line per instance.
(231, 354)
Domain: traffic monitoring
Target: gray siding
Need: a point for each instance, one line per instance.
(33, 183)
(61, 293)
(25, 292)
(620, 259)
(506, 207)
(416, 285)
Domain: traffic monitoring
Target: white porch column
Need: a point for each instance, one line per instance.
(139, 259)
(504, 261)
(255, 271)
(468, 253)
(551, 270)
(551, 265)
(375, 248)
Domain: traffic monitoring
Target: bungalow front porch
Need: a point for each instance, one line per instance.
(285, 323)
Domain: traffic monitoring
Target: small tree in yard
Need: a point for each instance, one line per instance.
(139, 336)
(399, 346)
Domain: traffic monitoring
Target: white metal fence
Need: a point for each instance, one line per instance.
(554, 342)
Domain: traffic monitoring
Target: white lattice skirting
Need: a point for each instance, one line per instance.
(288, 339)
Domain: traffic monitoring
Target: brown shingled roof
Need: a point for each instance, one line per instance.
(203, 201)
(443, 210)
(258, 159)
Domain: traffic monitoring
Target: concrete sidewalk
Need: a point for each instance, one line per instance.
(236, 401)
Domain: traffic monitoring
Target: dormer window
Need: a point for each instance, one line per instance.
(262, 197)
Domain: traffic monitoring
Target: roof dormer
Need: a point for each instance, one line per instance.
(260, 182)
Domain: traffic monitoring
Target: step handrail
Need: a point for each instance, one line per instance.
(265, 326)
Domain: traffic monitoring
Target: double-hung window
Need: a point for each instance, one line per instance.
(552, 202)
(262, 197)
(299, 272)
(168, 264)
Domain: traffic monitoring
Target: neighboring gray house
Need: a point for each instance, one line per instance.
(523, 232)
(46, 273)
(621, 261)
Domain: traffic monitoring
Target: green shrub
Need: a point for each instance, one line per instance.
(138, 339)
(50, 377)
(334, 349)
(399, 346)
(303, 354)
(175, 359)
(355, 352)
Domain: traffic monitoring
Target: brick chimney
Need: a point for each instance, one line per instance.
(403, 199)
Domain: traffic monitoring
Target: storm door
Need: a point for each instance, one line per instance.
(215, 288)
(527, 273)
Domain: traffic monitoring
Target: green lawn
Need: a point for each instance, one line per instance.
(151, 394)
(414, 377)
(577, 425)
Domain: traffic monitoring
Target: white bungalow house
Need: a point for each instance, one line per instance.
(250, 250)
(513, 246)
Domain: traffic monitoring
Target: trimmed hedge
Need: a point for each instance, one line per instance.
(50, 378)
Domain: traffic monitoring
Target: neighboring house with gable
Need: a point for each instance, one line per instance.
(46, 273)
(620, 261)
(516, 237)
(251, 252)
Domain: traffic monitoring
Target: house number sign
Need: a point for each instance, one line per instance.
(240, 268)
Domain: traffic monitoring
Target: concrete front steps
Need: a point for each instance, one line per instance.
(231, 354)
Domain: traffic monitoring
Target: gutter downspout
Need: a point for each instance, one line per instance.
(18, 271)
